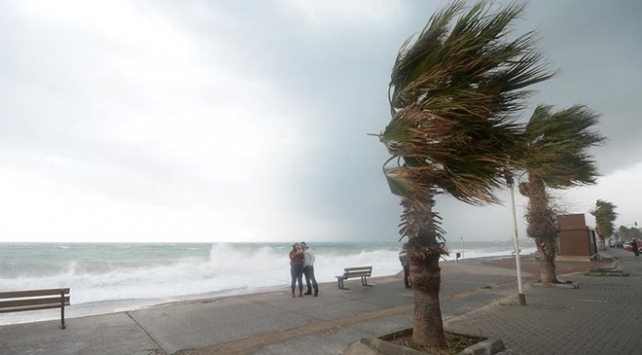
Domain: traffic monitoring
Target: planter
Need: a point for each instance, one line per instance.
(383, 345)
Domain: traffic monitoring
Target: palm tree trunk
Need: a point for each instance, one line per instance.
(547, 268)
(424, 252)
(427, 323)
(542, 227)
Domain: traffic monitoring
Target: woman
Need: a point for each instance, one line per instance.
(296, 268)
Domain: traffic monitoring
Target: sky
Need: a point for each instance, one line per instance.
(247, 121)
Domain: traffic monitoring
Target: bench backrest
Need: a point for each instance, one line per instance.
(358, 271)
(17, 301)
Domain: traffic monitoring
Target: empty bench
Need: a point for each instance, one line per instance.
(18, 301)
(362, 272)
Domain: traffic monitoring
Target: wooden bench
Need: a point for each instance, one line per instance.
(19, 301)
(353, 272)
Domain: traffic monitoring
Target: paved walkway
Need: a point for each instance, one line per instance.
(476, 297)
(602, 316)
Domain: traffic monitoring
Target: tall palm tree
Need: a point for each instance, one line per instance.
(453, 92)
(605, 215)
(554, 155)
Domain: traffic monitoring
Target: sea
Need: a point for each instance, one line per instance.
(113, 277)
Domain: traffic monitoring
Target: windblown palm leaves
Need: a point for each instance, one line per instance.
(556, 146)
(452, 94)
(554, 155)
(605, 215)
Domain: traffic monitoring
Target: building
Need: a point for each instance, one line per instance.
(577, 242)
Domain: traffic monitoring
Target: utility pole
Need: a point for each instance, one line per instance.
(520, 291)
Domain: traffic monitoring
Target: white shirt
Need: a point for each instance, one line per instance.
(308, 257)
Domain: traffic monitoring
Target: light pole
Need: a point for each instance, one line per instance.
(462, 247)
(520, 291)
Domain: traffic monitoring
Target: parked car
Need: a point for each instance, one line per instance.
(611, 243)
(619, 244)
(627, 246)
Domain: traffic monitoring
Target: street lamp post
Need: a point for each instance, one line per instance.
(462, 247)
(520, 291)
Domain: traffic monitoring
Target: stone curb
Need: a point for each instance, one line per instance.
(388, 348)
(563, 285)
(486, 347)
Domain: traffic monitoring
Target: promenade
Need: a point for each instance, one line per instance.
(600, 317)
(478, 296)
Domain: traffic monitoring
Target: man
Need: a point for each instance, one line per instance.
(308, 270)
(403, 258)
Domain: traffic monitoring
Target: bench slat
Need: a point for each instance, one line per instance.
(357, 274)
(31, 307)
(48, 301)
(34, 293)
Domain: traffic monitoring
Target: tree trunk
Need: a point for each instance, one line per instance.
(542, 227)
(424, 251)
(427, 323)
(547, 268)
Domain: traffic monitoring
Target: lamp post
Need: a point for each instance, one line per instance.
(520, 291)
(462, 247)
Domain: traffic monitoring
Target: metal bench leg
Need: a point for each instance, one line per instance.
(364, 281)
(62, 310)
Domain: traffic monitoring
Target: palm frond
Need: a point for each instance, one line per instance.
(605, 215)
(557, 144)
(453, 92)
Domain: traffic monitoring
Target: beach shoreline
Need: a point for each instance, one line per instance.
(505, 266)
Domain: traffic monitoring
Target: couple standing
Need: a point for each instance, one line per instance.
(302, 262)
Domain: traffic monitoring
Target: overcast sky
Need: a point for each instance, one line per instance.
(207, 121)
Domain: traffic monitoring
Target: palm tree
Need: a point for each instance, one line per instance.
(605, 215)
(630, 232)
(554, 155)
(453, 92)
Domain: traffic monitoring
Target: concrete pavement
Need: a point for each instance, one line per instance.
(475, 297)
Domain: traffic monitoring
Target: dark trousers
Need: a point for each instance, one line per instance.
(406, 275)
(297, 274)
(310, 280)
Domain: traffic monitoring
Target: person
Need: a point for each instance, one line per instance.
(634, 247)
(296, 268)
(405, 262)
(308, 270)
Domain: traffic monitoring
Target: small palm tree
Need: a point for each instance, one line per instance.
(554, 155)
(452, 94)
(605, 215)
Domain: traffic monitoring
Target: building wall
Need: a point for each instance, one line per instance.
(574, 242)
(573, 235)
(571, 221)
